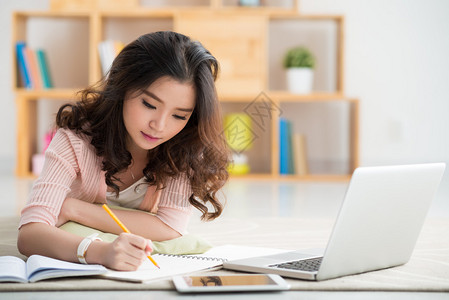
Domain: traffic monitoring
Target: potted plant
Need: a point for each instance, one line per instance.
(299, 62)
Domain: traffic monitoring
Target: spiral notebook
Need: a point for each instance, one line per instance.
(172, 265)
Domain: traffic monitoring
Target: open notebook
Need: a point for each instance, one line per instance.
(172, 265)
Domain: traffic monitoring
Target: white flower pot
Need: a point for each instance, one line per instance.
(300, 80)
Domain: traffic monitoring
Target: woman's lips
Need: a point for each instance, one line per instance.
(149, 137)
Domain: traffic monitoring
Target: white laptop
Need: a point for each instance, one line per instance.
(377, 227)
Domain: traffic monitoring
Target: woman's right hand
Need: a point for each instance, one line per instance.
(126, 253)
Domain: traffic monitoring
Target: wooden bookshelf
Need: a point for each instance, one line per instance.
(238, 36)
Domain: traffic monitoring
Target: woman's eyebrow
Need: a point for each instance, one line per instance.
(150, 94)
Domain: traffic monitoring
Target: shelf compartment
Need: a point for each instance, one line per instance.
(67, 54)
(259, 153)
(330, 132)
(322, 35)
(238, 41)
(128, 28)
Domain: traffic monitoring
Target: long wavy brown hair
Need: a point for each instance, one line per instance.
(198, 151)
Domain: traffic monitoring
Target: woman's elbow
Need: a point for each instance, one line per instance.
(27, 234)
(166, 233)
(173, 235)
(21, 241)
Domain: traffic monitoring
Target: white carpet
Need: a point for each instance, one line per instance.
(428, 269)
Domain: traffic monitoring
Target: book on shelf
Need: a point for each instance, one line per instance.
(292, 150)
(107, 51)
(37, 268)
(24, 75)
(33, 69)
(299, 147)
(285, 161)
(44, 69)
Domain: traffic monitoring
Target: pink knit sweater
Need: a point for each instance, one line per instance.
(72, 169)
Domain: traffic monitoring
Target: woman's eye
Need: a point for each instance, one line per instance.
(148, 104)
(180, 117)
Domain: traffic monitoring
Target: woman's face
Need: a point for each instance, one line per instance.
(158, 113)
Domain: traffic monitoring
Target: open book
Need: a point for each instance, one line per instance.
(37, 267)
(171, 265)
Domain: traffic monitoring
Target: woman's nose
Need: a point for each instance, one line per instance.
(158, 123)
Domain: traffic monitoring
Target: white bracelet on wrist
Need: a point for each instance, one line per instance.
(82, 247)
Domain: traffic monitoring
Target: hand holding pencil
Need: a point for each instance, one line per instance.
(123, 227)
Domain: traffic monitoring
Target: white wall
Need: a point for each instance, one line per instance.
(396, 62)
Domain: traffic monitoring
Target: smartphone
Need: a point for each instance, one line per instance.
(230, 283)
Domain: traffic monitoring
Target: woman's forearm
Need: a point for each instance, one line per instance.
(126, 253)
(146, 225)
(43, 239)
(138, 222)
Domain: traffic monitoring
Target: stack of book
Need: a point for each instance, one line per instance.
(33, 67)
(108, 50)
(292, 150)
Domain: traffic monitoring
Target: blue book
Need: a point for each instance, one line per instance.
(290, 158)
(43, 68)
(286, 159)
(24, 71)
(283, 146)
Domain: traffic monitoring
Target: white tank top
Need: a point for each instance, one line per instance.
(130, 197)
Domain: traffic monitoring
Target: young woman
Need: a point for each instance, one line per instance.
(147, 137)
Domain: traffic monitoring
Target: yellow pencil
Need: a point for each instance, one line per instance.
(123, 227)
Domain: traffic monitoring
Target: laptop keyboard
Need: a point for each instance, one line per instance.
(309, 265)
